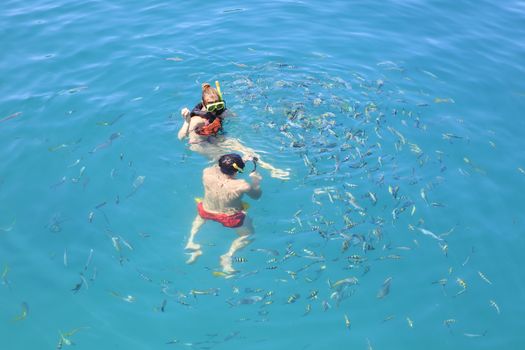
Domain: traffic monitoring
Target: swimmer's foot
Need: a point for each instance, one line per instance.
(193, 256)
(226, 263)
(192, 246)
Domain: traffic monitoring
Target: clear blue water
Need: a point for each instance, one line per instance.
(447, 76)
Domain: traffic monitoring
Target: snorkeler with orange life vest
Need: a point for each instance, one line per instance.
(203, 126)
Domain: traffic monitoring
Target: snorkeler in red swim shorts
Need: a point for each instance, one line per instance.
(223, 203)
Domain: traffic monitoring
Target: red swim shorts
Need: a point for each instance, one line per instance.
(232, 221)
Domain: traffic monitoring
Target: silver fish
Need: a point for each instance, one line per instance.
(429, 233)
(385, 289)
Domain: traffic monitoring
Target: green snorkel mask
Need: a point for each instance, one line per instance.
(217, 107)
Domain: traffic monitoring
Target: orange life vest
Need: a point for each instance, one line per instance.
(210, 129)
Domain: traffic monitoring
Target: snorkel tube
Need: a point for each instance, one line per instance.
(218, 87)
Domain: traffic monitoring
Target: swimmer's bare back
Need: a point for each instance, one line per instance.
(223, 194)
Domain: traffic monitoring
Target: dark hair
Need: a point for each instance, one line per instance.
(227, 161)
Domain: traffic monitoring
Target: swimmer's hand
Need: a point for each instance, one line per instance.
(256, 178)
(185, 113)
(280, 174)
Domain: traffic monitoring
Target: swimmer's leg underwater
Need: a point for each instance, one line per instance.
(191, 245)
(240, 242)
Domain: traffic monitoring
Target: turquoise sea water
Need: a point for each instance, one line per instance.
(398, 120)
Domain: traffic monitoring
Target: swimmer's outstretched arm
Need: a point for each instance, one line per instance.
(185, 128)
(254, 191)
(236, 145)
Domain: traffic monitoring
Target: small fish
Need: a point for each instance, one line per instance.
(467, 259)
(88, 261)
(369, 346)
(239, 259)
(423, 194)
(267, 251)
(8, 228)
(77, 286)
(393, 191)
(292, 298)
(385, 289)
(443, 100)
(56, 148)
(483, 277)
(430, 74)
(343, 282)
(163, 305)
(410, 322)
(390, 256)
(313, 294)
(116, 243)
(250, 300)
(74, 90)
(521, 170)
(474, 335)
(494, 305)
(401, 137)
(9, 117)
(25, 311)
(74, 163)
(357, 258)
(144, 277)
(240, 65)
(126, 243)
(345, 245)
(441, 282)
(137, 183)
(307, 310)
(211, 291)
(94, 276)
(100, 205)
(449, 322)
(4, 274)
(65, 257)
(347, 322)
(91, 216)
(127, 298)
(462, 283)
(429, 233)
(57, 184)
(372, 197)
(448, 136)
(388, 318)
(235, 10)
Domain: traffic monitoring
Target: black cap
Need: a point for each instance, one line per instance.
(230, 163)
